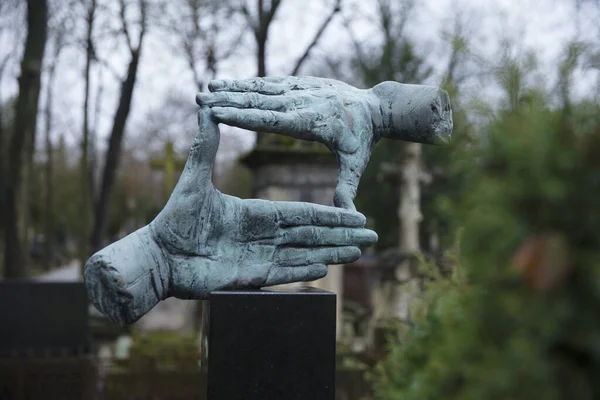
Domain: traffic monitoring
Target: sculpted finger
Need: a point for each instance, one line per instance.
(296, 124)
(282, 275)
(326, 236)
(299, 256)
(270, 85)
(350, 169)
(292, 83)
(197, 173)
(248, 100)
(291, 213)
(258, 85)
(278, 79)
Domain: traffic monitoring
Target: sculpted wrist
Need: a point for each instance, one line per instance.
(381, 115)
(129, 277)
(413, 113)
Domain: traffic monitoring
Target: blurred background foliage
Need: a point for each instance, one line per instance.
(517, 317)
(511, 204)
(158, 365)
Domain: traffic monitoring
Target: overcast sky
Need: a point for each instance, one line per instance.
(542, 25)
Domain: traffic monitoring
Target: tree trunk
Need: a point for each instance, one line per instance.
(24, 131)
(261, 55)
(261, 38)
(24, 199)
(85, 199)
(48, 201)
(261, 45)
(3, 155)
(93, 157)
(261, 34)
(113, 153)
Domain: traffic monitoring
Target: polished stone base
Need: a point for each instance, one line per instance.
(271, 345)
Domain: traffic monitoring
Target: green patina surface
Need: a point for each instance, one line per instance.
(204, 240)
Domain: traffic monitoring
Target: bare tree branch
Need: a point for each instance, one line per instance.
(113, 154)
(253, 23)
(125, 29)
(104, 63)
(229, 52)
(271, 13)
(336, 9)
(9, 55)
(360, 56)
(143, 23)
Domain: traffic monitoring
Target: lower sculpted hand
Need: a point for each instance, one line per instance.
(204, 240)
(349, 121)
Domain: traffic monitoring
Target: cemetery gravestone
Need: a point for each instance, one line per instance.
(44, 340)
(42, 318)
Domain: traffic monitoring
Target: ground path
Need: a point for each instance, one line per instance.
(67, 273)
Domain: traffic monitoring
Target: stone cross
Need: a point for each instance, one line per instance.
(169, 164)
(409, 176)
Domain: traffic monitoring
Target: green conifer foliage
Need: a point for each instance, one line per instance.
(520, 317)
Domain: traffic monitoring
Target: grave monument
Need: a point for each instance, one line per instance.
(207, 245)
(45, 346)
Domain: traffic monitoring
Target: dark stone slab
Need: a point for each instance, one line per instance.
(43, 318)
(268, 344)
(64, 378)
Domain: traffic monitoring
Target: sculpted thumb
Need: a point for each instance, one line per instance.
(199, 166)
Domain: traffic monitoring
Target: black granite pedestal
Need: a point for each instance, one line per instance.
(271, 345)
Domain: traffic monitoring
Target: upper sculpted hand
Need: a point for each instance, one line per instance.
(204, 240)
(349, 121)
